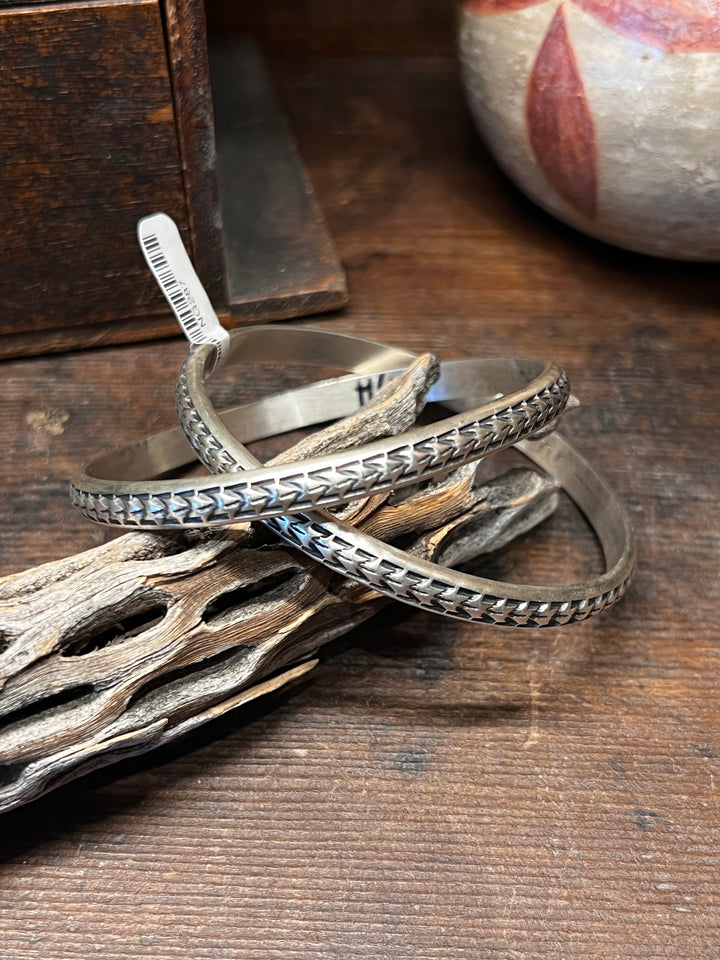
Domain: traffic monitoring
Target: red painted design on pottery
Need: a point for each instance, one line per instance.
(484, 8)
(560, 126)
(675, 26)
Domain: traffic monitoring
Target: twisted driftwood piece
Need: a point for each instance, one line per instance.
(127, 646)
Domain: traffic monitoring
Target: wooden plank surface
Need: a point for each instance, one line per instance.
(107, 115)
(89, 143)
(355, 27)
(279, 257)
(187, 51)
(434, 790)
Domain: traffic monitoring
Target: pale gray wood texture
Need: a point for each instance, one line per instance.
(128, 646)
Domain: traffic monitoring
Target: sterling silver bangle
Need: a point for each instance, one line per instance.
(526, 396)
(420, 583)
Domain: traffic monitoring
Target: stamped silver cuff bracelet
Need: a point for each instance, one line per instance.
(523, 398)
(417, 582)
(527, 396)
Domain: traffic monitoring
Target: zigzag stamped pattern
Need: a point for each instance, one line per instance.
(427, 586)
(288, 489)
(396, 574)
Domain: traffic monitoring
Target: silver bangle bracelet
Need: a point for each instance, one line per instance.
(420, 583)
(527, 396)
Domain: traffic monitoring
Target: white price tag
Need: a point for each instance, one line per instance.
(162, 246)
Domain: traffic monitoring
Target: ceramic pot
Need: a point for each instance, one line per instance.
(605, 112)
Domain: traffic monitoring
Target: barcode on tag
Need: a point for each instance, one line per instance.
(162, 246)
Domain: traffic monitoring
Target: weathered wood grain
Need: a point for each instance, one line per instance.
(186, 39)
(106, 115)
(355, 28)
(280, 260)
(89, 143)
(437, 791)
(124, 648)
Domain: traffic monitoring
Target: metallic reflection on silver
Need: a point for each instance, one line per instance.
(114, 490)
(427, 585)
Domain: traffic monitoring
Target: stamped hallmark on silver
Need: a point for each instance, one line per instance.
(366, 389)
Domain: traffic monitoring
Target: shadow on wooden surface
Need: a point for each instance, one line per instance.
(484, 794)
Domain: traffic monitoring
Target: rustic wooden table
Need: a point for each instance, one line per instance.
(434, 790)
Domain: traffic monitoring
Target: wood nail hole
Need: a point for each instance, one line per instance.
(41, 709)
(234, 600)
(168, 684)
(94, 637)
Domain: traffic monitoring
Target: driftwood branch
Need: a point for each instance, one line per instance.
(125, 647)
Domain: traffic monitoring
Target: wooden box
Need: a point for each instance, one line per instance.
(106, 114)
